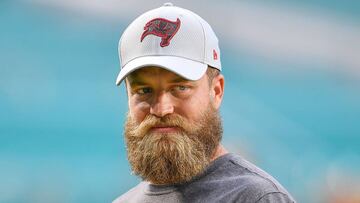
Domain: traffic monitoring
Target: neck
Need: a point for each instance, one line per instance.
(220, 150)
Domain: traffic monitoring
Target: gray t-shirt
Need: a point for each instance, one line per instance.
(229, 178)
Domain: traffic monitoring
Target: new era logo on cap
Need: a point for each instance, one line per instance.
(215, 54)
(172, 38)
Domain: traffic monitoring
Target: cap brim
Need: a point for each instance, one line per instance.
(189, 69)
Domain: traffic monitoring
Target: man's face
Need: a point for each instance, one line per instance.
(173, 125)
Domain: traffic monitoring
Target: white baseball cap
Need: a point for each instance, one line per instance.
(172, 38)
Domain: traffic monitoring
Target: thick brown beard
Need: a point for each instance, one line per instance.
(172, 158)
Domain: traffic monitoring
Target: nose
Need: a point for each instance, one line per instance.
(162, 105)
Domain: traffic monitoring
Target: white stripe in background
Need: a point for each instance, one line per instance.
(276, 32)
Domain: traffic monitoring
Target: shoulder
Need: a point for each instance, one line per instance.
(236, 179)
(131, 194)
(277, 197)
(257, 184)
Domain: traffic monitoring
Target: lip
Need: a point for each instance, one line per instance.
(164, 129)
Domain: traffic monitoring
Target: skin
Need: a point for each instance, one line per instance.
(157, 91)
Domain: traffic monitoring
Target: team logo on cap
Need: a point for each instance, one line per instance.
(163, 28)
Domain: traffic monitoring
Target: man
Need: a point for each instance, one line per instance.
(170, 61)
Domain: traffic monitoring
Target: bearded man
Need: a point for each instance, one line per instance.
(170, 61)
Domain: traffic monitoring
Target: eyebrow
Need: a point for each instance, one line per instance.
(138, 81)
(180, 79)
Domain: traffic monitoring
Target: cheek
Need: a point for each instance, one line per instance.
(193, 107)
(138, 110)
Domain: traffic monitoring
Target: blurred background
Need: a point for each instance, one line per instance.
(292, 99)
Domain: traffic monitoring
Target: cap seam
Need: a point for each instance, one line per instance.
(129, 25)
(203, 32)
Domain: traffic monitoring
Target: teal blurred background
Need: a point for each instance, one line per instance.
(292, 99)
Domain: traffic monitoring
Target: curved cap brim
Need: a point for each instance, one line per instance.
(189, 69)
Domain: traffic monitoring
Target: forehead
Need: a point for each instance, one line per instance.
(154, 73)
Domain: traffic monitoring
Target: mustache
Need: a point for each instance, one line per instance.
(151, 121)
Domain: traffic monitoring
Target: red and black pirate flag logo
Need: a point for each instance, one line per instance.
(163, 28)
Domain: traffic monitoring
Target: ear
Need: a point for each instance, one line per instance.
(217, 90)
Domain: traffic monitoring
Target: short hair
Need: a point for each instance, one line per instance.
(211, 73)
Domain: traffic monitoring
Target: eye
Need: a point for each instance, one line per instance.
(181, 87)
(144, 90)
